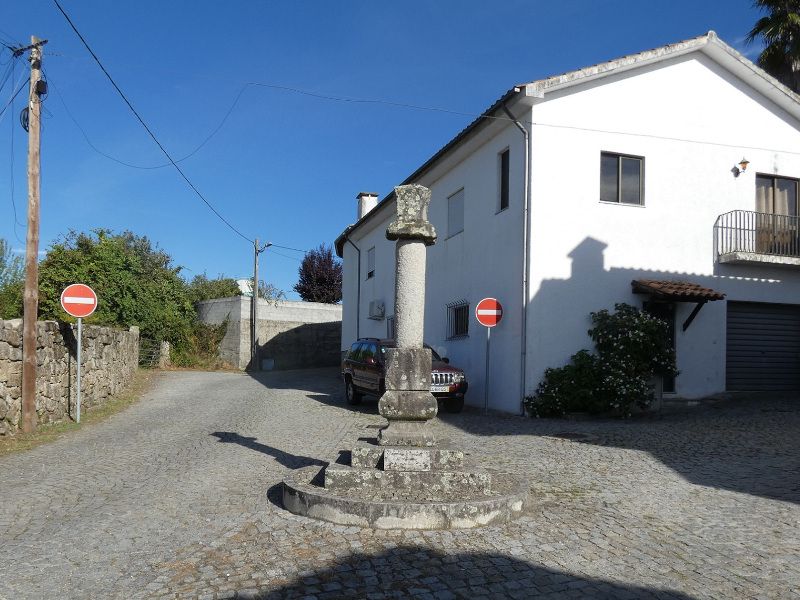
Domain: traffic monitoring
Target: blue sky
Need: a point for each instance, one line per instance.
(285, 167)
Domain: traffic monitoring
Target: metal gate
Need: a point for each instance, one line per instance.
(763, 347)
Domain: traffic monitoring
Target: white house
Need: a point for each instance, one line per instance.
(604, 185)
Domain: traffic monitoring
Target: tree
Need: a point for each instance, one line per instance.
(780, 31)
(320, 276)
(12, 282)
(135, 281)
(270, 292)
(202, 288)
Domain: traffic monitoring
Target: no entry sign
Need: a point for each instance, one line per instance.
(79, 300)
(489, 312)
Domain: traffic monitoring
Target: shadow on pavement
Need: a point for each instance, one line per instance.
(287, 460)
(747, 444)
(326, 380)
(408, 572)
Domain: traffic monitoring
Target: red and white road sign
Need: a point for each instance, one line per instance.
(489, 312)
(79, 300)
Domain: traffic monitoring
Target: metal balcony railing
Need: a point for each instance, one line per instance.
(746, 232)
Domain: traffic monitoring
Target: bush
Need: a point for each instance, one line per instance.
(632, 346)
(200, 350)
(574, 387)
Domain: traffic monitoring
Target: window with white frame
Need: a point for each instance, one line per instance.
(457, 319)
(621, 178)
(371, 262)
(504, 166)
(455, 213)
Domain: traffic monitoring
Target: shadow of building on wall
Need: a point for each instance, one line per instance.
(298, 345)
(591, 287)
(711, 446)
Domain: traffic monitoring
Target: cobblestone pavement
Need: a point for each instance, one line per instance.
(177, 496)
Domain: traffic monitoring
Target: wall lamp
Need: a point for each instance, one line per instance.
(741, 167)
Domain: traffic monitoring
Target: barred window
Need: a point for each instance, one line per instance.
(457, 319)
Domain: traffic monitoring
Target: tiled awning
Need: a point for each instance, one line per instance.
(676, 291)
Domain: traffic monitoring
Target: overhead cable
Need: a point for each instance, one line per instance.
(149, 131)
(146, 167)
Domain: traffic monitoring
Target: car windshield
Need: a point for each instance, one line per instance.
(434, 355)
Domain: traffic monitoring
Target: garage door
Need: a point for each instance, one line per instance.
(763, 347)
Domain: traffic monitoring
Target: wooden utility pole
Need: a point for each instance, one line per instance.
(254, 311)
(31, 295)
(254, 307)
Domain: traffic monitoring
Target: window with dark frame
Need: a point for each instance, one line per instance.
(504, 178)
(776, 195)
(371, 262)
(457, 319)
(776, 229)
(621, 179)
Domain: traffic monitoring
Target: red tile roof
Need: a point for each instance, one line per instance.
(678, 291)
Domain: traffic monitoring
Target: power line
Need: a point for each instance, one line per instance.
(276, 253)
(19, 89)
(348, 99)
(11, 176)
(288, 248)
(145, 167)
(149, 131)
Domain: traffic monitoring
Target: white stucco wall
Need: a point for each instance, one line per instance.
(483, 260)
(693, 122)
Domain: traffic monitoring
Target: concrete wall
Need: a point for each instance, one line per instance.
(292, 334)
(693, 122)
(110, 358)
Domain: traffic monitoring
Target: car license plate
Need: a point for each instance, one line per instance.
(440, 388)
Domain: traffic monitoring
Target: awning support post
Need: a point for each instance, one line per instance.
(691, 317)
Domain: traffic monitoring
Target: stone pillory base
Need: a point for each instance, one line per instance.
(404, 479)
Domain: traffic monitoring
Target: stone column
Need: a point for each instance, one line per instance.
(408, 403)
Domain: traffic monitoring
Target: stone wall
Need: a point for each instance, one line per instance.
(109, 360)
(291, 334)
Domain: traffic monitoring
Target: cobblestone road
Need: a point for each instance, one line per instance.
(176, 496)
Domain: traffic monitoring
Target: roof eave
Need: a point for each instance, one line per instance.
(515, 94)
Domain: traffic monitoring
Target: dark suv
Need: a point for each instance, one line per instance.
(364, 370)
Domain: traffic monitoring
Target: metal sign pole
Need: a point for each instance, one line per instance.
(78, 379)
(486, 381)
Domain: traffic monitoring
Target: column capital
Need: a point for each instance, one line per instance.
(412, 215)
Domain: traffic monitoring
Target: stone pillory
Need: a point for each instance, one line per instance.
(404, 479)
(408, 403)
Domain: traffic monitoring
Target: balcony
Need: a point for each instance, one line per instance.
(749, 237)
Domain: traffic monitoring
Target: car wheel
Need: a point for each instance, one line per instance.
(454, 405)
(353, 397)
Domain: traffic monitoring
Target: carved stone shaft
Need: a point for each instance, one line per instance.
(409, 293)
(407, 403)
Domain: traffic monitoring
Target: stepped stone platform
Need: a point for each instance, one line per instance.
(402, 487)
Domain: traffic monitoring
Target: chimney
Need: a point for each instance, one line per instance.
(366, 202)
